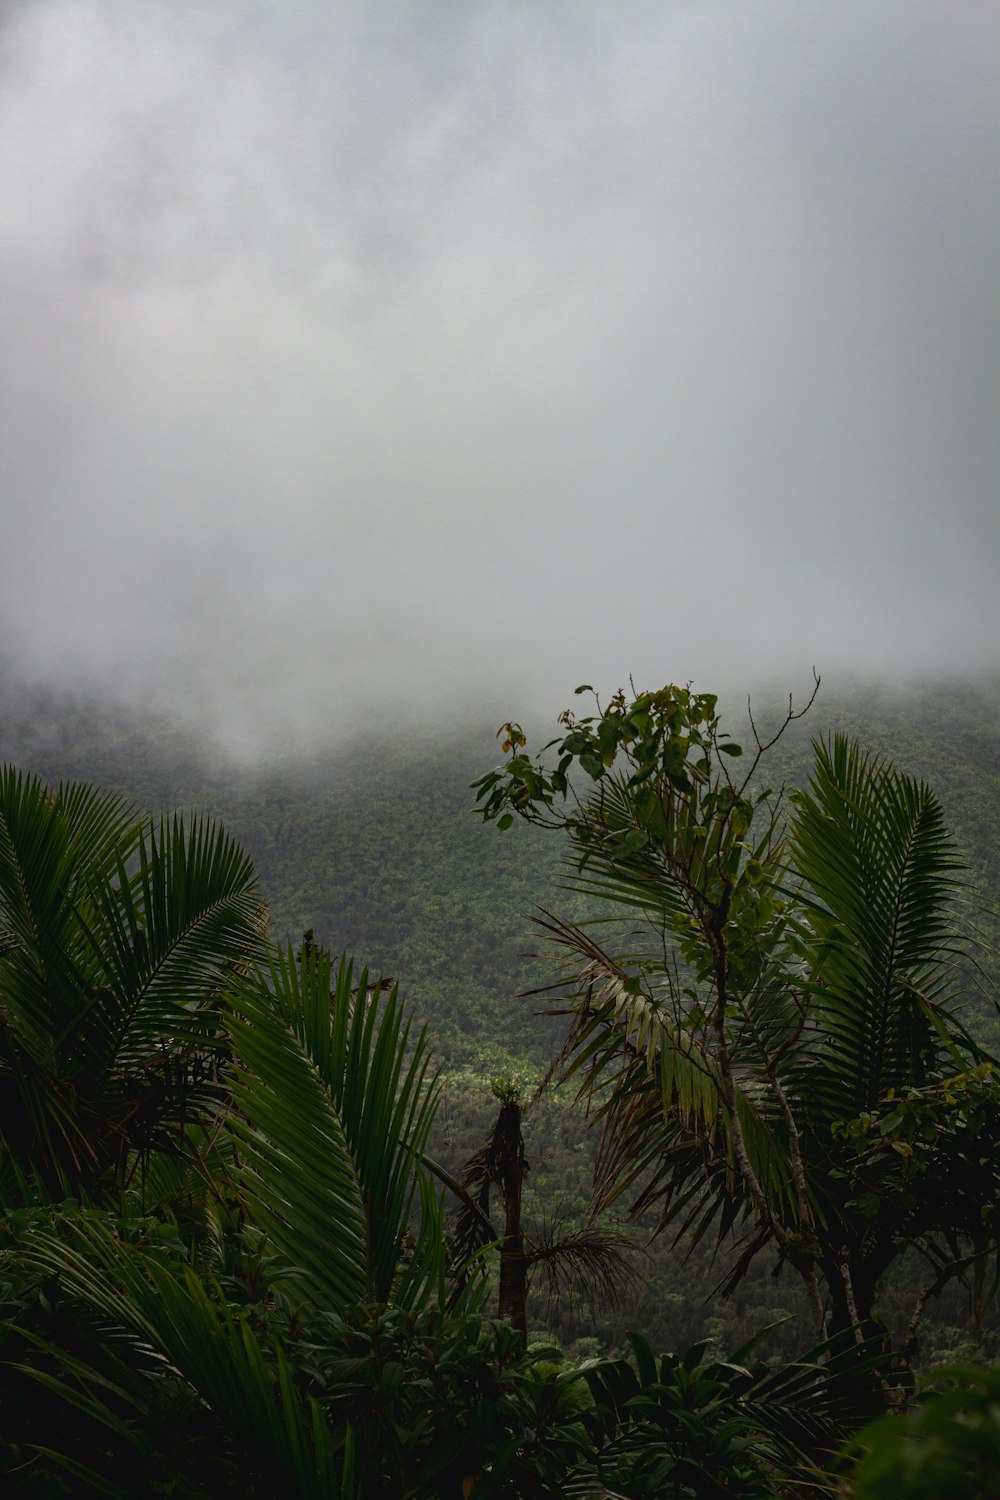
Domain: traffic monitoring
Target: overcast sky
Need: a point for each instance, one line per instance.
(368, 356)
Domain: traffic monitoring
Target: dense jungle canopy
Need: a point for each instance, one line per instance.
(170, 1065)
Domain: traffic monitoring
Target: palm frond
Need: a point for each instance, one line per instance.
(334, 1109)
(881, 873)
(115, 938)
(655, 1086)
(168, 934)
(168, 1315)
(634, 875)
(591, 1264)
(50, 842)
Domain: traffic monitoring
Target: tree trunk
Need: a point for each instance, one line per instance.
(851, 1301)
(509, 1146)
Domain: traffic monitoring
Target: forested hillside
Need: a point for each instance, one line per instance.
(374, 847)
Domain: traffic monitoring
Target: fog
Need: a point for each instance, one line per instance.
(364, 362)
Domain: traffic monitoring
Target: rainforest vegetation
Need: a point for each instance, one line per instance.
(715, 1210)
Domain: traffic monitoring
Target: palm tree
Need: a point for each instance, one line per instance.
(117, 935)
(771, 1043)
(145, 1024)
(179, 1377)
(899, 1105)
(155, 1048)
(589, 1261)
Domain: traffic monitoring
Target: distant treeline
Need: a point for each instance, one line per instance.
(374, 845)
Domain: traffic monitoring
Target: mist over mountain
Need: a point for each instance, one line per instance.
(366, 365)
(370, 375)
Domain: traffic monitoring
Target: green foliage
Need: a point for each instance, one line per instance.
(444, 1406)
(880, 868)
(333, 1108)
(151, 1378)
(689, 1425)
(948, 1445)
(783, 989)
(254, 1297)
(370, 842)
(116, 936)
(174, 1337)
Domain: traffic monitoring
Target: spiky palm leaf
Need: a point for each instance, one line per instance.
(882, 872)
(166, 1321)
(48, 842)
(611, 863)
(333, 1109)
(115, 937)
(655, 1086)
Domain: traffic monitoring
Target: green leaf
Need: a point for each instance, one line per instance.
(180, 1320)
(116, 935)
(335, 1105)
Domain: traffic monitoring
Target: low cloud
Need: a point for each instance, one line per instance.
(367, 362)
